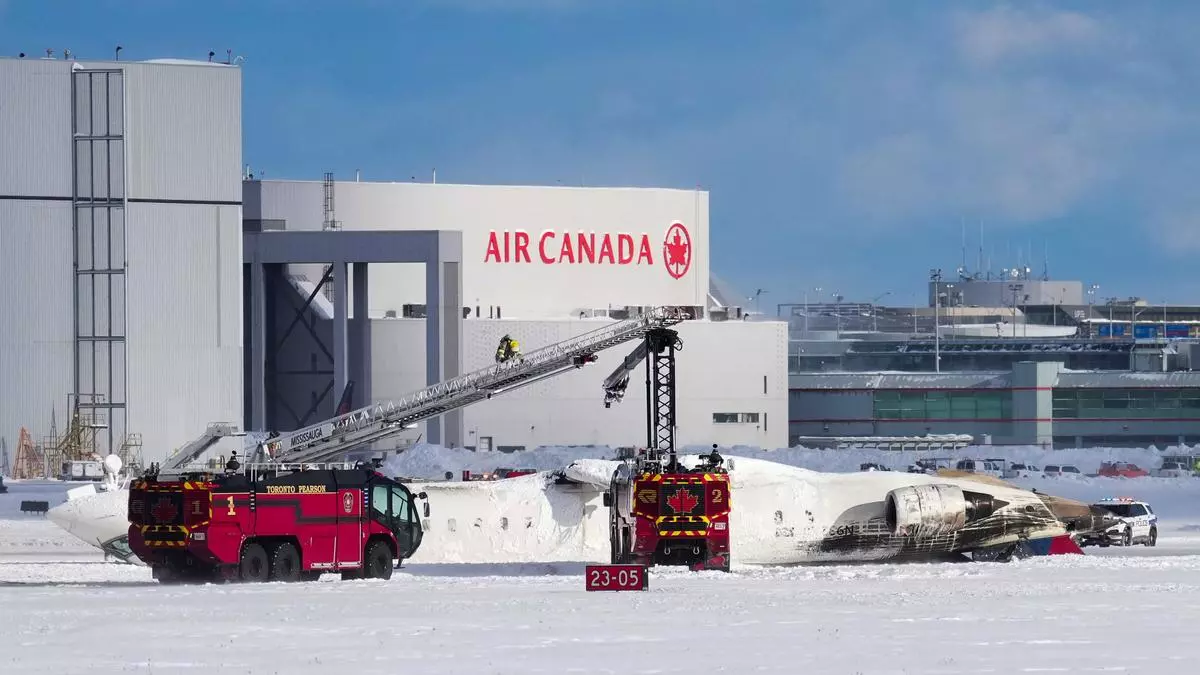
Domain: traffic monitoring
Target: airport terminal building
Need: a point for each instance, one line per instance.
(157, 288)
(1047, 368)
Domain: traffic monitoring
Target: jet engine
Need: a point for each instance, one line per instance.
(934, 509)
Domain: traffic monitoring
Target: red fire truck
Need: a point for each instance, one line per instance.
(660, 512)
(670, 515)
(274, 523)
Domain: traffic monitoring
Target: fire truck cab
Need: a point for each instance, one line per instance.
(274, 523)
(671, 517)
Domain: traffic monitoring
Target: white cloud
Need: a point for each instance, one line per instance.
(868, 132)
(1005, 32)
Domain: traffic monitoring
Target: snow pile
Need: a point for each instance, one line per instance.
(432, 462)
(1087, 460)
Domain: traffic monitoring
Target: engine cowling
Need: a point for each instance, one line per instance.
(935, 509)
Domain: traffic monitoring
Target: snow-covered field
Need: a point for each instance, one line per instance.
(1121, 610)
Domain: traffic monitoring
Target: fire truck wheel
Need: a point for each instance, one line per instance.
(378, 561)
(255, 565)
(285, 563)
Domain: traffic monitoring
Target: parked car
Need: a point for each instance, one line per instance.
(1062, 470)
(1122, 470)
(1024, 470)
(1172, 470)
(872, 466)
(983, 466)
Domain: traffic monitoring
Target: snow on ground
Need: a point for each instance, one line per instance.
(32, 536)
(1066, 614)
(1128, 610)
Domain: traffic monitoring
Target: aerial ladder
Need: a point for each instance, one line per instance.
(661, 513)
(193, 449)
(346, 432)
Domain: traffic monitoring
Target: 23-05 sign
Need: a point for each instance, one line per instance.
(616, 578)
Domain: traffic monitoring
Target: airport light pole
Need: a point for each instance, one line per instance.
(837, 310)
(816, 290)
(1014, 288)
(875, 311)
(935, 275)
(1091, 301)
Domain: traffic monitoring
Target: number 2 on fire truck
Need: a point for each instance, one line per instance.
(718, 495)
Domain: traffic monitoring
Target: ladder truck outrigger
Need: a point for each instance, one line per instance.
(661, 513)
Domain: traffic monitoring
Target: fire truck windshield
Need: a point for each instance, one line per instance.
(392, 505)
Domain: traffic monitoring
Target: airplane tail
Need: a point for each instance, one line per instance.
(343, 405)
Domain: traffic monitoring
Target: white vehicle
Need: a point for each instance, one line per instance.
(1138, 524)
(988, 467)
(1060, 471)
(1172, 470)
(1019, 470)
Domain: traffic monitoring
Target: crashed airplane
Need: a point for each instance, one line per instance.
(782, 515)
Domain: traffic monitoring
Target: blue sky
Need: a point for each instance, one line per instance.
(845, 143)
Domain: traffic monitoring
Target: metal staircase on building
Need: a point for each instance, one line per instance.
(344, 433)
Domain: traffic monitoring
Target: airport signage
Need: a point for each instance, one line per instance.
(563, 247)
(616, 578)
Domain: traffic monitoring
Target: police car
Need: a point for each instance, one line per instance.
(1138, 524)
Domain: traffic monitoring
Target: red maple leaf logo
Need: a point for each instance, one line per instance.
(683, 501)
(677, 250)
(164, 511)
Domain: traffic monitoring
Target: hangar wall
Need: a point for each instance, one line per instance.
(539, 269)
(120, 208)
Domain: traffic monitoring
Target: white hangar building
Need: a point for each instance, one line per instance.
(140, 263)
(542, 264)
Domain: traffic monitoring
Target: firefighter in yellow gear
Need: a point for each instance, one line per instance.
(508, 349)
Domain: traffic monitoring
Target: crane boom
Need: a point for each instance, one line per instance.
(373, 423)
(657, 348)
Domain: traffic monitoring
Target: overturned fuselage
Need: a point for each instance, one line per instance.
(780, 515)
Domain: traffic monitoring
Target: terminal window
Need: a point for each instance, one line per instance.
(943, 405)
(1093, 403)
(735, 418)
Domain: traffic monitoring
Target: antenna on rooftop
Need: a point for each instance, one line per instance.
(1045, 261)
(979, 269)
(117, 53)
(211, 54)
(962, 269)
